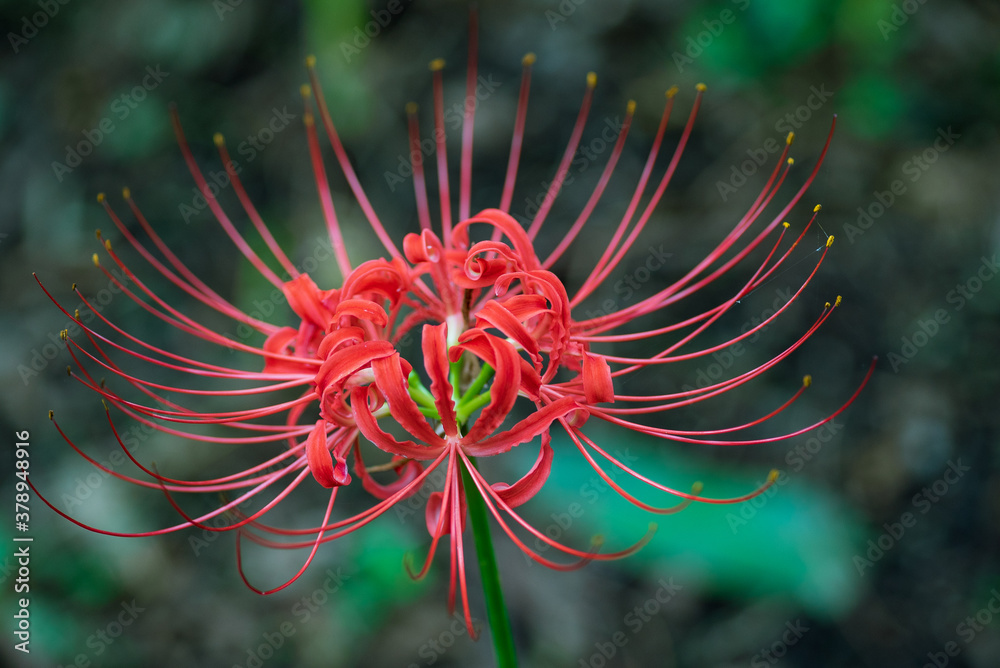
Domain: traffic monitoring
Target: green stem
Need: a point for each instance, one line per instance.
(496, 611)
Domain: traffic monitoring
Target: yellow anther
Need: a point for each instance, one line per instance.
(529, 59)
(69, 371)
(827, 305)
(52, 414)
(591, 79)
(306, 91)
(773, 475)
(73, 288)
(817, 208)
(100, 197)
(436, 65)
(791, 161)
(76, 312)
(96, 260)
(126, 193)
(97, 233)
(107, 244)
(807, 381)
(837, 301)
(105, 404)
(829, 242)
(786, 225)
(219, 139)
(701, 88)
(697, 487)
(411, 108)
(790, 138)
(630, 107)
(64, 334)
(310, 61)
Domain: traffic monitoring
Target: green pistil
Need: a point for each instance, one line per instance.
(477, 385)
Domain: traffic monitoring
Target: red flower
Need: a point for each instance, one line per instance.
(495, 325)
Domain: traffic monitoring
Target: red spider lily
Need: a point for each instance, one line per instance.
(495, 325)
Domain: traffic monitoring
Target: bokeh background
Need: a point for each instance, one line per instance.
(879, 546)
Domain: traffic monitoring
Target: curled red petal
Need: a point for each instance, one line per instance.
(363, 309)
(597, 385)
(368, 426)
(327, 470)
(435, 349)
(532, 481)
(308, 301)
(391, 380)
(525, 430)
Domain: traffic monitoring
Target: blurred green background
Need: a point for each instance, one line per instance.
(820, 572)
